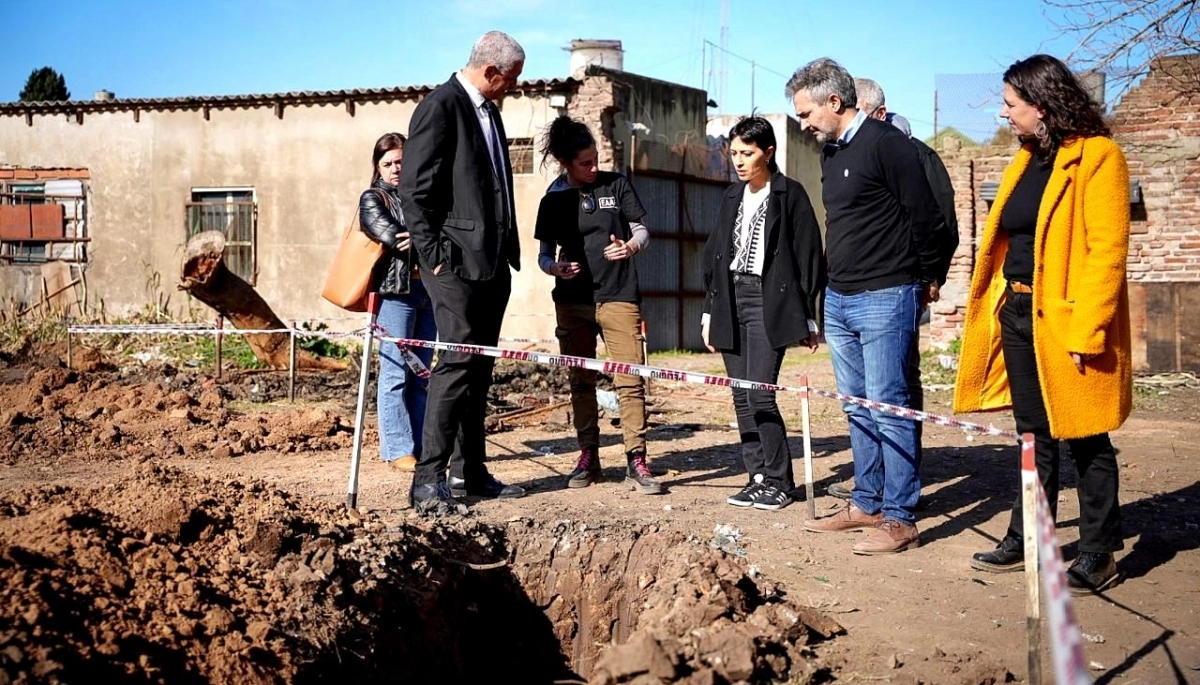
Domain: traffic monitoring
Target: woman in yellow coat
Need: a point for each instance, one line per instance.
(1047, 324)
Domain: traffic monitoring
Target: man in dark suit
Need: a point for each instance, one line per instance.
(456, 192)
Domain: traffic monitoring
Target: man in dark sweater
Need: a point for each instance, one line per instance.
(882, 233)
(871, 100)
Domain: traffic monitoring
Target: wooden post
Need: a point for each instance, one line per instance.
(292, 363)
(808, 467)
(220, 338)
(1033, 612)
(645, 355)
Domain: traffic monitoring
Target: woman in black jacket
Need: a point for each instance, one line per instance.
(763, 268)
(404, 310)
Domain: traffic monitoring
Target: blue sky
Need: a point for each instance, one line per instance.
(170, 48)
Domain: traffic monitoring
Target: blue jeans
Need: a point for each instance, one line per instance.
(402, 395)
(870, 336)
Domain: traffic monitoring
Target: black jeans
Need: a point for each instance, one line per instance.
(1094, 456)
(467, 312)
(764, 437)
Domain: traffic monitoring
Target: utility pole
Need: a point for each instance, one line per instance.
(936, 144)
(724, 55)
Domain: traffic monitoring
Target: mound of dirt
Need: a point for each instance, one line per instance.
(99, 411)
(165, 577)
(53, 411)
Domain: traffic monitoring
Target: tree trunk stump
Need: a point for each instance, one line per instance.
(206, 277)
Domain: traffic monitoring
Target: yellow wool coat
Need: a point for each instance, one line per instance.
(1080, 297)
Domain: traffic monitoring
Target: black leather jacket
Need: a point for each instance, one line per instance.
(381, 218)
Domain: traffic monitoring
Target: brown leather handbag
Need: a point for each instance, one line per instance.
(349, 279)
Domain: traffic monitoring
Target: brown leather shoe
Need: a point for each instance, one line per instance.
(890, 537)
(850, 518)
(406, 463)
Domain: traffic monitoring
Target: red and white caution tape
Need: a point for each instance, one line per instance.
(183, 329)
(593, 364)
(915, 414)
(660, 373)
(549, 359)
(535, 341)
(412, 360)
(1066, 641)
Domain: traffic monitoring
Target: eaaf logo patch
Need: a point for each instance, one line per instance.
(607, 202)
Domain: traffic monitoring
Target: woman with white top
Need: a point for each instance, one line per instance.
(763, 268)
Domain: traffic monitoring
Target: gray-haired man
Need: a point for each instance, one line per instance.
(872, 101)
(882, 227)
(456, 191)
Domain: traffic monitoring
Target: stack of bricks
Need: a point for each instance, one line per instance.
(19, 175)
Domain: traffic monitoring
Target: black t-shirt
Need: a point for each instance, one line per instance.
(582, 236)
(1019, 218)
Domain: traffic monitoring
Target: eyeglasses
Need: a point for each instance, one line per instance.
(587, 203)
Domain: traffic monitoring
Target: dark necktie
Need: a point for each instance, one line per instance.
(497, 155)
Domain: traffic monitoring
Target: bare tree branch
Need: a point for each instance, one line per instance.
(1124, 37)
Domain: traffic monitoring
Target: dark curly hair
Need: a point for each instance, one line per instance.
(1046, 83)
(564, 139)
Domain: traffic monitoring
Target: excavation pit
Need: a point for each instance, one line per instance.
(166, 577)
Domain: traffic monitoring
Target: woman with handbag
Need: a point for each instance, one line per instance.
(404, 309)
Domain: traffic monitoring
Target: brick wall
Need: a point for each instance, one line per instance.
(13, 174)
(969, 168)
(595, 103)
(1158, 127)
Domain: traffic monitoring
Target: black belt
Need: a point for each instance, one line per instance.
(746, 277)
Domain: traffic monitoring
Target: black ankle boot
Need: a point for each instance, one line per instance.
(1091, 573)
(1008, 556)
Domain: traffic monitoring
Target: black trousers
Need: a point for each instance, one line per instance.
(1094, 456)
(764, 437)
(916, 392)
(466, 312)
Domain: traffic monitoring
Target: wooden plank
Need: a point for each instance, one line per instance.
(1137, 324)
(1188, 315)
(57, 277)
(1160, 328)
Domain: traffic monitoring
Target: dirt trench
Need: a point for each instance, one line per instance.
(164, 577)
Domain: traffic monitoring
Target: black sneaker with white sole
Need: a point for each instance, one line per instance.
(745, 498)
(771, 498)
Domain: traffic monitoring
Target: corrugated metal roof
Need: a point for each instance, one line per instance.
(356, 95)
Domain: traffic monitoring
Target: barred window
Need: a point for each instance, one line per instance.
(234, 212)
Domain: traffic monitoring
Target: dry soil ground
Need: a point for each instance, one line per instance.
(159, 525)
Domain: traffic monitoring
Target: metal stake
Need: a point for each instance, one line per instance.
(360, 412)
(808, 466)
